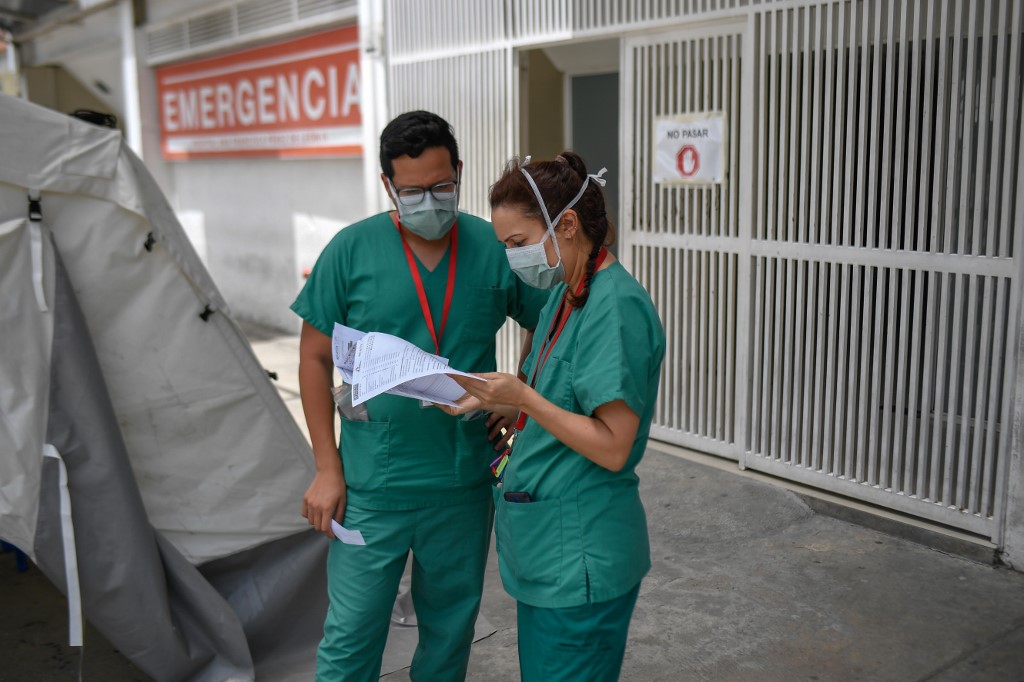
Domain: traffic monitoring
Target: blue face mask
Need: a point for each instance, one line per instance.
(530, 262)
(431, 218)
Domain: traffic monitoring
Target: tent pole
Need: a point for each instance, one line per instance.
(130, 78)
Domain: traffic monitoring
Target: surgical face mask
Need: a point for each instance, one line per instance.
(530, 262)
(432, 217)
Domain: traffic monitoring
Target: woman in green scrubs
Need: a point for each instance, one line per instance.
(571, 530)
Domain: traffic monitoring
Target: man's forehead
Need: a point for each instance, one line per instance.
(432, 166)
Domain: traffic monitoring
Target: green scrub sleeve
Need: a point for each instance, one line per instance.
(524, 302)
(614, 355)
(322, 301)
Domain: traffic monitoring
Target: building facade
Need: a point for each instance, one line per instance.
(838, 263)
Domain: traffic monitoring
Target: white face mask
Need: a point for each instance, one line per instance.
(530, 262)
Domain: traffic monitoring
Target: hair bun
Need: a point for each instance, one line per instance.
(573, 161)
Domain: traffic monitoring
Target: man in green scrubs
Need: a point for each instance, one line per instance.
(409, 477)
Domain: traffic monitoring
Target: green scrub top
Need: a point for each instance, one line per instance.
(584, 537)
(407, 456)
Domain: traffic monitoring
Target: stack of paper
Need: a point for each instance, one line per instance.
(376, 363)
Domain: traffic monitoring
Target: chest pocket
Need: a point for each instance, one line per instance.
(555, 382)
(485, 313)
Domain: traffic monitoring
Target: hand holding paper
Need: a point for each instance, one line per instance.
(376, 363)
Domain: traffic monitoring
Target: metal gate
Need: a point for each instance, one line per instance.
(841, 310)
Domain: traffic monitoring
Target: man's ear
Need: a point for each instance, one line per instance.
(387, 187)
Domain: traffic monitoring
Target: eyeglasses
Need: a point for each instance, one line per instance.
(442, 191)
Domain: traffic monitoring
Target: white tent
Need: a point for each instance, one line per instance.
(180, 467)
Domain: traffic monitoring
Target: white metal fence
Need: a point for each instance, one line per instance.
(841, 310)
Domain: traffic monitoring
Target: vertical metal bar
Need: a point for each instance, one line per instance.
(693, 261)
(735, 111)
(786, 351)
(982, 371)
(773, 368)
(630, 152)
(771, 141)
(902, 201)
(714, 87)
(756, 352)
(790, 102)
(858, 416)
(721, 302)
(939, 181)
(808, 73)
(678, 336)
(825, 355)
(919, 404)
(747, 99)
(864, 276)
(757, 188)
(702, 295)
(790, 402)
(962, 287)
(1002, 127)
(1012, 215)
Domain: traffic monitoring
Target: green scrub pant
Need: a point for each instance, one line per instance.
(449, 546)
(584, 642)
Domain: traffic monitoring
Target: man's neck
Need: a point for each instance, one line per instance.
(428, 252)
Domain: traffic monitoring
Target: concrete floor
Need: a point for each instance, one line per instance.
(750, 581)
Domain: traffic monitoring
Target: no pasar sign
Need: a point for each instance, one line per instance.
(689, 149)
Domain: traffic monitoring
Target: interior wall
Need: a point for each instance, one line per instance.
(544, 123)
(258, 224)
(55, 88)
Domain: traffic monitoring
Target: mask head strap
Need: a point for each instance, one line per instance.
(596, 177)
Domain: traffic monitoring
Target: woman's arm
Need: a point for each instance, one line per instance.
(605, 438)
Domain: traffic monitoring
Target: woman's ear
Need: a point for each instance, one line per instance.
(570, 223)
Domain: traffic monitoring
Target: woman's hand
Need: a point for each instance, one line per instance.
(499, 389)
(466, 404)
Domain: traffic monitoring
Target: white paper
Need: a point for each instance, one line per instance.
(349, 537)
(343, 348)
(376, 363)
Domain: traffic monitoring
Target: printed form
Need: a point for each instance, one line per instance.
(375, 363)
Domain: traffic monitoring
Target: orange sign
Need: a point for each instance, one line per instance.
(295, 98)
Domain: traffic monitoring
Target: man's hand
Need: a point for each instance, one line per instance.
(325, 500)
(495, 423)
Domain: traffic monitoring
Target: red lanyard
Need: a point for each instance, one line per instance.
(550, 338)
(422, 292)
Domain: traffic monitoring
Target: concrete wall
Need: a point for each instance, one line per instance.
(258, 223)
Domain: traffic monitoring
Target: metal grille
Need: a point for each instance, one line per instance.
(683, 242)
(886, 143)
(842, 309)
(238, 23)
(444, 26)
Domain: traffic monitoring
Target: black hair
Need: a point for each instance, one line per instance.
(412, 132)
(559, 181)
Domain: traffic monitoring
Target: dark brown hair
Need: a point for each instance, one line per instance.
(559, 181)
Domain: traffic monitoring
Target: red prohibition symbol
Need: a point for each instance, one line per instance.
(688, 161)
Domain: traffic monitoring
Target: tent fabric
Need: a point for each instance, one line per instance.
(184, 467)
(220, 463)
(25, 342)
(125, 568)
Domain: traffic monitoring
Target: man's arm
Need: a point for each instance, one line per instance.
(325, 498)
